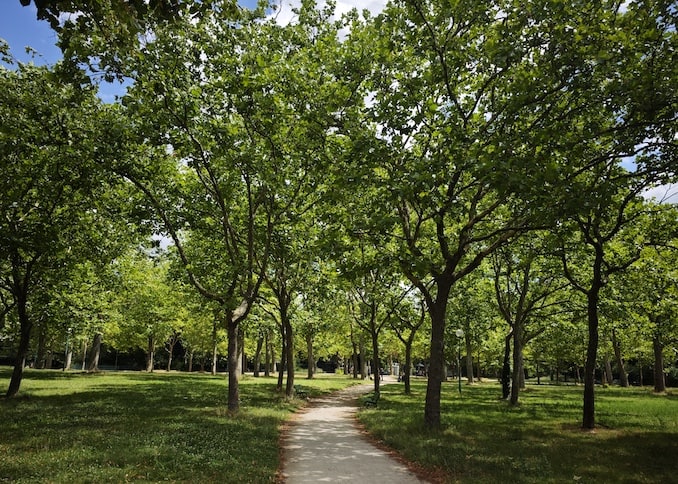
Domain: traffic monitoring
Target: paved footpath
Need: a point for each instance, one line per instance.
(323, 444)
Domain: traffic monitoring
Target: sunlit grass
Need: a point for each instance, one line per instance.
(484, 440)
(117, 427)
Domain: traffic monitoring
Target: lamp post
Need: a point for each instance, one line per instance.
(460, 335)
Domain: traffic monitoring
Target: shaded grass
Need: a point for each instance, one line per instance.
(483, 439)
(119, 427)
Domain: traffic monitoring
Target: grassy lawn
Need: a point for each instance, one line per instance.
(484, 440)
(119, 426)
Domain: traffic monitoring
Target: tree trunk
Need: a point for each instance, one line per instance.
(283, 358)
(49, 360)
(616, 345)
(190, 361)
(376, 363)
(150, 354)
(267, 357)
(407, 371)
(310, 361)
(609, 379)
(233, 362)
(469, 357)
(437, 310)
(242, 362)
(215, 344)
(24, 342)
(363, 359)
(588, 417)
(96, 353)
(506, 367)
(517, 361)
(289, 357)
(658, 349)
(257, 355)
(84, 355)
(68, 359)
(42, 347)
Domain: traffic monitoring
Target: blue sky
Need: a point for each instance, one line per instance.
(19, 27)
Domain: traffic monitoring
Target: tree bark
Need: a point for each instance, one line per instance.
(150, 354)
(469, 358)
(437, 310)
(257, 355)
(376, 363)
(616, 345)
(517, 361)
(233, 362)
(506, 367)
(592, 297)
(658, 349)
(310, 360)
(283, 358)
(24, 342)
(289, 357)
(609, 379)
(96, 353)
(407, 371)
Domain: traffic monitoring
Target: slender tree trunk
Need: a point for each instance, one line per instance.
(242, 362)
(190, 361)
(517, 361)
(267, 364)
(24, 342)
(84, 355)
(283, 357)
(96, 353)
(506, 367)
(469, 357)
(616, 346)
(658, 349)
(355, 360)
(68, 359)
(233, 362)
(608, 378)
(215, 344)
(640, 372)
(363, 359)
(289, 357)
(407, 371)
(310, 361)
(376, 366)
(588, 417)
(257, 355)
(150, 354)
(42, 346)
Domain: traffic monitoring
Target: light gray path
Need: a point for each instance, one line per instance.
(323, 444)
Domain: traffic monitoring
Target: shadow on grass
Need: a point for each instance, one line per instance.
(483, 439)
(119, 427)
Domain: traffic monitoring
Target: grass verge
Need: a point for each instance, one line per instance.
(121, 427)
(482, 439)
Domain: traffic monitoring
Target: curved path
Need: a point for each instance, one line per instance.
(323, 444)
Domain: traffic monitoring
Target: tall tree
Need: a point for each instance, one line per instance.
(49, 184)
(233, 131)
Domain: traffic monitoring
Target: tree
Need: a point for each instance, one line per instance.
(409, 318)
(49, 185)
(528, 288)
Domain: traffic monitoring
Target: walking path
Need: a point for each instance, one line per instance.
(323, 444)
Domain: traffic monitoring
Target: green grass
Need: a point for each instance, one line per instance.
(483, 439)
(118, 427)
